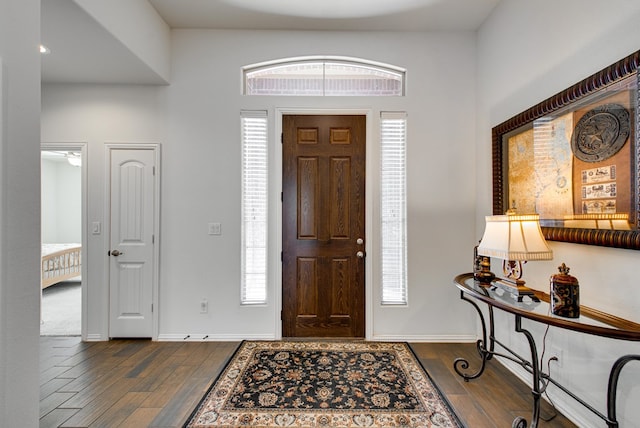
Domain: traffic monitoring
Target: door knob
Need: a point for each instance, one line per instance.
(360, 254)
(115, 253)
(359, 241)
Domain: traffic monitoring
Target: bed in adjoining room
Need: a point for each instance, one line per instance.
(60, 262)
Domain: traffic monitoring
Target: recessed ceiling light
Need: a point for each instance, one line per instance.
(44, 50)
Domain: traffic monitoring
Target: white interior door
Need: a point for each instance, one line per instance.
(132, 270)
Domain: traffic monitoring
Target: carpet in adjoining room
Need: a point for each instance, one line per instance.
(323, 384)
(61, 309)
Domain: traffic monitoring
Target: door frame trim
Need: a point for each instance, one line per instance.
(108, 148)
(84, 220)
(275, 209)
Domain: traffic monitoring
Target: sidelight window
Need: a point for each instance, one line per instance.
(254, 207)
(393, 203)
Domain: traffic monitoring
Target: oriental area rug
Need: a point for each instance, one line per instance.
(323, 384)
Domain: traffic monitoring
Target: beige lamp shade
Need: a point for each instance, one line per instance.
(514, 237)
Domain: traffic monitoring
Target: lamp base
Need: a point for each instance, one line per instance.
(485, 277)
(516, 287)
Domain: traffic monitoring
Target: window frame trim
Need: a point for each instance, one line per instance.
(344, 60)
(395, 115)
(254, 114)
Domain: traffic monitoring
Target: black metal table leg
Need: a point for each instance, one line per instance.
(535, 372)
(613, 386)
(460, 365)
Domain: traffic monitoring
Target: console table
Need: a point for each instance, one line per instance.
(537, 308)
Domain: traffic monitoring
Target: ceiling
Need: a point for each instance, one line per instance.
(97, 57)
(346, 15)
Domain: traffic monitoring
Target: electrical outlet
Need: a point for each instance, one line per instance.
(215, 229)
(204, 306)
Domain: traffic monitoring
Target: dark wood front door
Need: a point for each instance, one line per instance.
(323, 226)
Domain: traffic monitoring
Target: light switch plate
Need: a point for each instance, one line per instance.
(96, 228)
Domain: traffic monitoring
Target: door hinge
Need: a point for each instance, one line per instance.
(281, 138)
(153, 239)
(152, 308)
(281, 196)
(281, 316)
(281, 256)
(153, 170)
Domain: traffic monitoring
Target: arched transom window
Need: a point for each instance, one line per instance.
(323, 76)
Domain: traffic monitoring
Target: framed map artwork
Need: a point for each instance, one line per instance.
(573, 159)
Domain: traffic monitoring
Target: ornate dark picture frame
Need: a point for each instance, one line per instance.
(574, 95)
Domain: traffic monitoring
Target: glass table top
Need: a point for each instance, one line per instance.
(537, 307)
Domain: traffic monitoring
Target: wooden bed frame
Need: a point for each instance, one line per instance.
(60, 262)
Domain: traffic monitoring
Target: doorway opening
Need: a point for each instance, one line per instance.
(62, 238)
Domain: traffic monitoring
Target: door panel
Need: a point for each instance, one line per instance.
(131, 242)
(323, 217)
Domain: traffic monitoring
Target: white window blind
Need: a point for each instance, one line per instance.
(254, 208)
(393, 208)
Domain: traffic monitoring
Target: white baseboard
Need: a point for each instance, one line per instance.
(94, 338)
(382, 338)
(425, 338)
(212, 337)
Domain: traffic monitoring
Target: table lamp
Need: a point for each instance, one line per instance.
(515, 238)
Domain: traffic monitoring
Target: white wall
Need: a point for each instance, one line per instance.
(196, 119)
(61, 210)
(137, 25)
(19, 211)
(528, 51)
(48, 203)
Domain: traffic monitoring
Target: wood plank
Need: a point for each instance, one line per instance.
(94, 408)
(470, 412)
(53, 361)
(52, 373)
(120, 410)
(96, 389)
(56, 418)
(166, 392)
(176, 412)
(52, 386)
(141, 417)
(217, 360)
(53, 401)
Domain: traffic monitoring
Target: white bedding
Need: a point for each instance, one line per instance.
(52, 248)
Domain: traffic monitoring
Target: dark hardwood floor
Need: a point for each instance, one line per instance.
(140, 383)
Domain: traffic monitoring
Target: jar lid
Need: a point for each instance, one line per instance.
(564, 276)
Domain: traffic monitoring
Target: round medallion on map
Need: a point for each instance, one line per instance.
(600, 133)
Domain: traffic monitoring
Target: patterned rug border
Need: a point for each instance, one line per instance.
(445, 401)
(443, 397)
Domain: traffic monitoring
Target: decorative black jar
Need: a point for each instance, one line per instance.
(565, 294)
